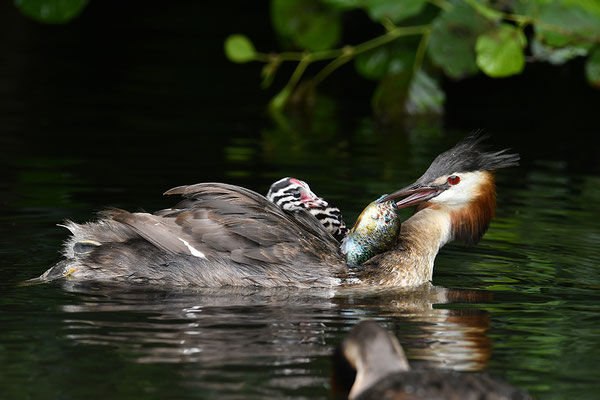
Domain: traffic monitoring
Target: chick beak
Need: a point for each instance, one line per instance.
(311, 200)
(415, 194)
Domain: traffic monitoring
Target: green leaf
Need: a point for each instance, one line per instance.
(524, 7)
(309, 24)
(343, 5)
(452, 41)
(424, 95)
(394, 58)
(592, 6)
(239, 49)
(592, 68)
(373, 64)
(500, 51)
(566, 22)
(51, 11)
(395, 10)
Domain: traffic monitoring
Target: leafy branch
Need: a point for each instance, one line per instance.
(459, 38)
(423, 41)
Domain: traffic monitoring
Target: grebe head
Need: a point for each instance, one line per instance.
(460, 181)
(292, 194)
(372, 353)
(370, 364)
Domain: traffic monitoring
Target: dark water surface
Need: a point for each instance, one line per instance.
(82, 131)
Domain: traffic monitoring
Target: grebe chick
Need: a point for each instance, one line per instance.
(370, 365)
(292, 194)
(221, 234)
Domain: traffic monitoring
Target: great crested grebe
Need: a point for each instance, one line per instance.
(222, 234)
(370, 365)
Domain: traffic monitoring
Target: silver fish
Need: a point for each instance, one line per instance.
(374, 232)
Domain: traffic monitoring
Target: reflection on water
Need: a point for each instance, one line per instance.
(223, 327)
(281, 330)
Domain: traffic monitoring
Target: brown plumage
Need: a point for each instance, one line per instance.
(370, 365)
(218, 235)
(222, 234)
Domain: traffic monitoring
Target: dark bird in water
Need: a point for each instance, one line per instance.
(292, 194)
(222, 234)
(370, 365)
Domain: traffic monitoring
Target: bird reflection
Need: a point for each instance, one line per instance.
(254, 326)
(452, 338)
(240, 325)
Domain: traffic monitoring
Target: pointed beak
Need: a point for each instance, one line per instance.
(414, 194)
(316, 202)
(312, 200)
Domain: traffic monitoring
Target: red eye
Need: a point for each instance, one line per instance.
(453, 180)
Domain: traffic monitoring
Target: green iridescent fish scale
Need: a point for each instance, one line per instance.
(374, 232)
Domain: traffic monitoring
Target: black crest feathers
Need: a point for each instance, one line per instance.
(467, 156)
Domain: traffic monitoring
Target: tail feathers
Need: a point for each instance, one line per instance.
(60, 270)
(85, 238)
